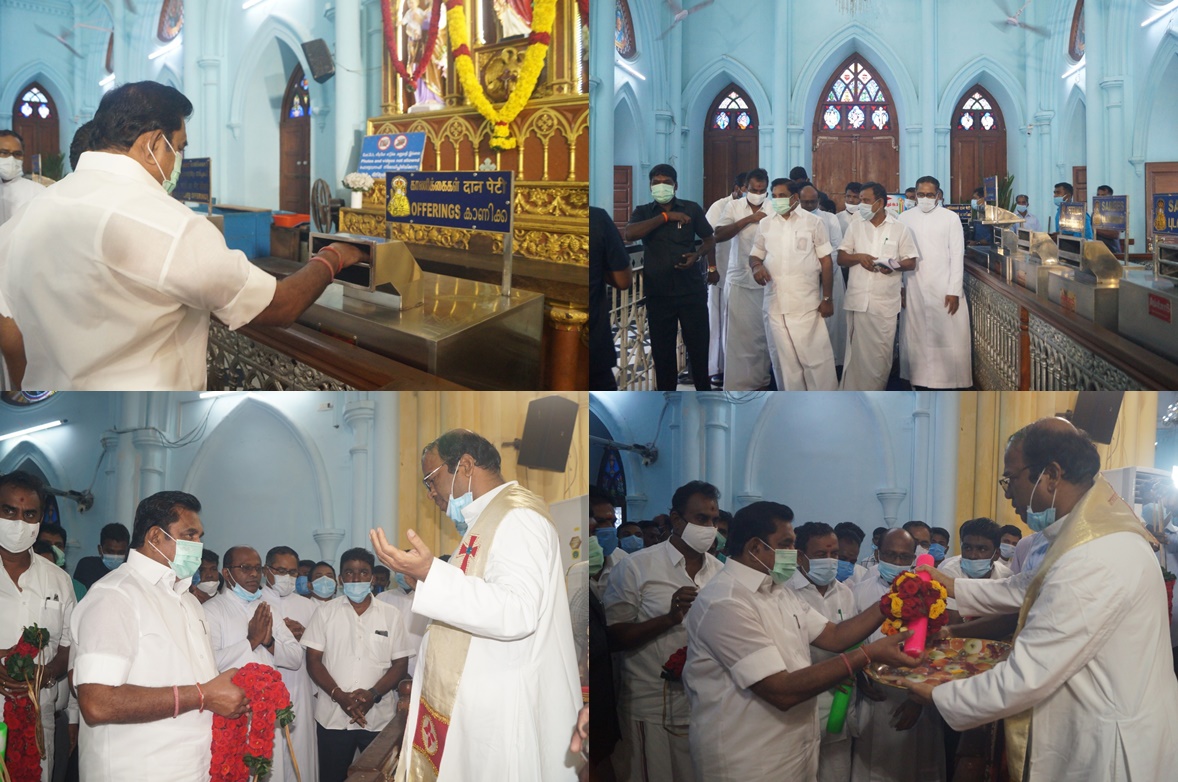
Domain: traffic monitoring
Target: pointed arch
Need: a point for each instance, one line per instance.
(275, 27)
(730, 140)
(1073, 137)
(977, 142)
(41, 73)
(600, 406)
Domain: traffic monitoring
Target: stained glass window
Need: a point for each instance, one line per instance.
(299, 99)
(987, 121)
(733, 101)
(978, 112)
(854, 95)
(733, 111)
(743, 120)
(171, 20)
(966, 121)
(1076, 41)
(611, 476)
(34, 101)
(624, 31)
(721, 120)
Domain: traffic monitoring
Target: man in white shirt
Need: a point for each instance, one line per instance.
(112, 282)
(836, 324)
(874, 248)
(815, 583)
(496, 691)
(602, 523)
(356, 655)
(1022, 206)
(717, 308)
(791, 256)
(243, 629)
(15, 192)
(935, 343)
(1090, 652)
(33, 591)
(978, 558)
(295, 612)
(143, 666)
(747, 353)
(400, 596)
(749, 676)
(850, 205)
(1011, 535)
(645, 603)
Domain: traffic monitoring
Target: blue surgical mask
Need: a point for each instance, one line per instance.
(187, 559)
(608, 538)
(302, 586)
(324, 586)
(888, 571)
(357, 591)
(630, 543)
(823, 571)
(401, 582)
(938, 552)
(845, 570)
(976, 568)
(455, 505)
(1058, 200)
(248, 597)
(1007, 550)
(1041, 520)
(112, 561)
(1020, 208)
(975, 203)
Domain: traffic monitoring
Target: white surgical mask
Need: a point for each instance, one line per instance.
(170, 180)
(909, 203)
(10, 168)
(1007, 550)
(851, 208)
(756, 199)
(926, 204)
(208, 587)
(823, 571)
(284, 585)
(698, 536)
(974, 203)
(17, 536)
(866, 211)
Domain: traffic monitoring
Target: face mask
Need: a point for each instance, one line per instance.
(302, 586)
(662, 193)
(169, 183)
(975, 203)
(823, 571)
(909, 203)
(782, 206)
(17, 536)
(401, 582)
(187, 559)
(208, 587)
(1041, 520)
(866, 211)
(357, 591)
(1006, 550)
(1058, 200)
(10, 169)
(976, 568)
(927, 204)
(608, 538)
(456, 504)
(324, 587)
(1020, 208)
(58, 556)
(596, 557)
(938, 552)
(851, 208)
(631, 543)
(888, 571)
(756, 199)
(248, 597)
(284, 585)
(785, 562)
(845, 570)
(698, 536)
(721, 541)
(112, 561)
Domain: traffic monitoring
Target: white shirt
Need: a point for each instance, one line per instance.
(112, 282)
(641, 589)
(723, 249)
(834, 230)
(1030, 551)
(790, 248)
(951, 566)
(298, 684)
(741, 245)
(357, 649)
(876, 292)
(1030, 222)
(413, 624)
(139, 625)
(740, 630)
(837, 605)
(597, 585)
(577, 582)
(15, 194)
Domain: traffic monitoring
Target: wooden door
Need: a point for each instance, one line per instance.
(294, 154)
(855, 136)
(34, 119)
(623, 195)
(977, 143)
(730, 142)
(1159, 178)
(1080, 184)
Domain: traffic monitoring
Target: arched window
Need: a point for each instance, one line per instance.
(294, 145)
(733, 111)
(856, 101)
(978, 113)
(624, 31)
(977, 143)
(34, 118)
(34, 102)
(171, 20)
(1076, 40)
(298, 99)
(611, 478)
(731, 141)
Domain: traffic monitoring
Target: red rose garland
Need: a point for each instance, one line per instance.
(244, 747)
(22, 714)
(390, 39)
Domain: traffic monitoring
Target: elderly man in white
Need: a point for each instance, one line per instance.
(1091, 652)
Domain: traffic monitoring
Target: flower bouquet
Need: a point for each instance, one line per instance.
(673, 667)
(913, 599)
(22, 714)
(359, 184)
(1168, 578)
(243, 748)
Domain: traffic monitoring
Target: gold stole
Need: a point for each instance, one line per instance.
(445, 658)
(1100, 512)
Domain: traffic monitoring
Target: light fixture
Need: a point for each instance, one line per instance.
(629, 69)
(31, 429)
(210, 394)
(1159, 14)
(1075, 68)
(250, 4)
(109, 80)
(166, 49)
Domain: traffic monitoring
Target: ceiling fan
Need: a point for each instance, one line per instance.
(1012, 20)
(60, 39)
(680, 14)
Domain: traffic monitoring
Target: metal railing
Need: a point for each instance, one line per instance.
(627, 324)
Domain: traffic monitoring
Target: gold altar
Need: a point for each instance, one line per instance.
(551, 166)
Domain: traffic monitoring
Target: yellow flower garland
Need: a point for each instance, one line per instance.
(543, 19)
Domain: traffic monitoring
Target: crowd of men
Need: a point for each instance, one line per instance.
(729, 638)
(146, 638)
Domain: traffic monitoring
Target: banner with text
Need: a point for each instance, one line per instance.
(196, 181)
(391, 152)
(1072, 218)
(1165, 213)
(1110, 212)
(475, 200)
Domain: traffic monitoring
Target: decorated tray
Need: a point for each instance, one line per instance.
(945, 661)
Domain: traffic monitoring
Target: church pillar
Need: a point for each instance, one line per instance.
(126, 489)
(890, 499)
(387, 463)
(1094, 118)
(349, 83)
(665, 149)
(1045, 158)
(911, 162)
(110, 446)
(941, 161)
(717, 423)
(194, 41)
(943, 475)
(328, 541)
(922, 436)
(359, 415)
(150, 445)
(601, 105)
(779, 162)
(925, 158)
(678, 445)
(636, 506)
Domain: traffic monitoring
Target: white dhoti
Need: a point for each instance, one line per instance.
(717, 325)
(805, 358)
(836, 324)
(870, 348)
(834, 753)
(651, 753)
(746, 346)
(884, 754)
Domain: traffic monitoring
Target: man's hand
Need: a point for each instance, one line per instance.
(884, 269)
(295, 628)
(951, 304)
(941, 578)
(414, 563)
(713, 276)
(869, 688)
(260, 626)
(223, 697)
(681, 601)
(755, 217)
(363, 700)
(581, 733)
(889, 651)
(688, 261)
(921, 692)
(350, 707)
(826, 308)
(348, 253)
(906, 715)
(677, 217)
(868, 263)
(761, 275)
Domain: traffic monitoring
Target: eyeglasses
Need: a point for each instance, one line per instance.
(281, 571)
(249, 570)
(428, 481)
(1005, 480)
(18, 154)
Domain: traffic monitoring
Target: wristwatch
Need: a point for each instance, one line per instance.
(375, 698)
(826, 298)
(711, 269)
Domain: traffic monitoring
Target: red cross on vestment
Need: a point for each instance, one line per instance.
(467, 551)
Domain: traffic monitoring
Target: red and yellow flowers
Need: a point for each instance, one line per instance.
(22, 714)
(912, 598)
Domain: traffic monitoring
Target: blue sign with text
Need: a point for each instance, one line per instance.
(476, 200)
(991, 190)
(391, 152)
(1072, 218)
(963, 211)
(1110, 212)
(196, 181)
(1164, 214)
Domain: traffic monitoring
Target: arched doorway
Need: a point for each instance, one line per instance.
(855, 131)
(294, 184)
(730, 142)
(978, 143)
(34, 119)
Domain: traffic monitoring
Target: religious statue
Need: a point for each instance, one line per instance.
(399, 202)
(415, 20)
(1159, 224)
(515, 17)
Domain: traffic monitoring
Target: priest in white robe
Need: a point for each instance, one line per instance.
(935, 346)
(1088, 691)
(496, 669)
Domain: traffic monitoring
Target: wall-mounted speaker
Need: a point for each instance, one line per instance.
(319, 59)
(548, 432)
